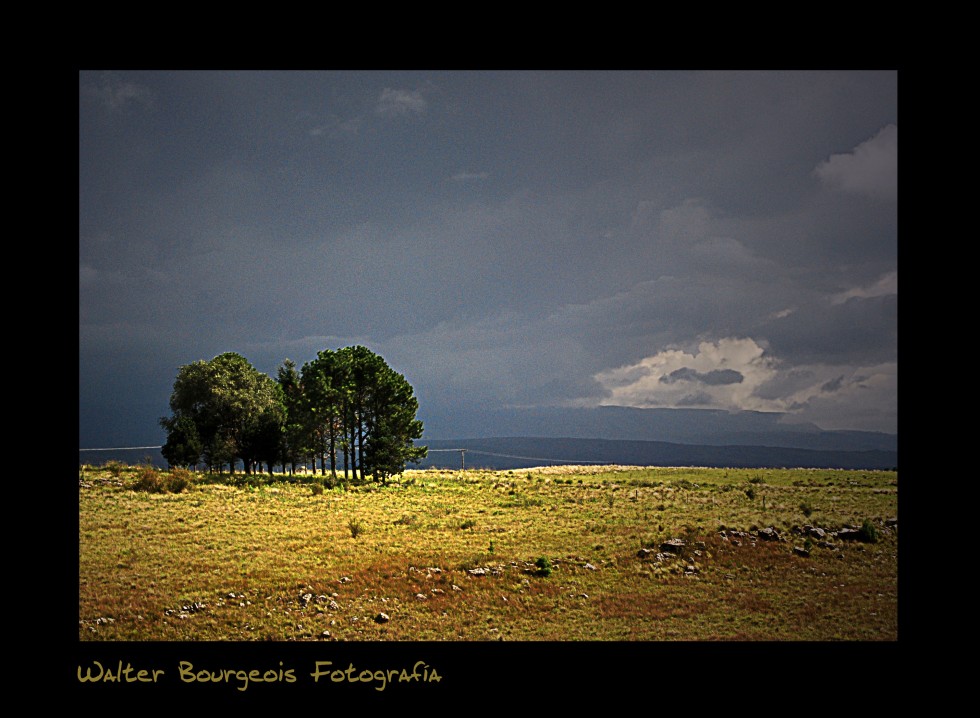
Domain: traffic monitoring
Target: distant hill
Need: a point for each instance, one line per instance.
(702, 427)
(621, 435)
(524, 452)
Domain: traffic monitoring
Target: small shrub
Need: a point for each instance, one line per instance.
(806, 509)
(868, 532)
(405, 520)
(178, 479)
(148, 479)
(317, 488)
(114, 468)
(544, 566)
(757, 480)
(750, 492)
(356, 527)
(468, 524)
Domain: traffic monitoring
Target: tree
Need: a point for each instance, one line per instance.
(393, 427)
(324, 383)
(223, 398)
(264, 435)
(296, 410)
(348, 400)
(379, 416)
(183, 446)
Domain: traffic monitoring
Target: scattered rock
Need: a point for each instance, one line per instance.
(849, 534)
(420, 597)
(800, 551)
(816, 532)
(643, 553)
(477, 571)
(456, 588)
(768, 534)
(333, 606)
(590, 567)
(674, 545)
(382, 618)
(325, 634)
(345, 579)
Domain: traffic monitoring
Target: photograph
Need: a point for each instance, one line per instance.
(403, 383)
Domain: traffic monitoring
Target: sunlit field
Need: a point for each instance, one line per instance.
(549, 554)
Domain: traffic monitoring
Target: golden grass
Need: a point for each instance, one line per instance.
(449, 556)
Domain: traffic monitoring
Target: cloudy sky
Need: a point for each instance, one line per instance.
(697, 239)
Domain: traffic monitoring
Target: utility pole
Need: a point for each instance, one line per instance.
(462, 459)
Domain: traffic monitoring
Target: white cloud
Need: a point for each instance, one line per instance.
(885, 286)
(652, 382)
(400, 102)
(831, 396)
(870, 169)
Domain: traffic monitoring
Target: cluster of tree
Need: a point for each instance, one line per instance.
(347, 407)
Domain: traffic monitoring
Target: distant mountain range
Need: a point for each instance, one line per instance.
(525, 452)
(520, 438)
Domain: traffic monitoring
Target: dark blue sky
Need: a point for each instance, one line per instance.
(652, 239)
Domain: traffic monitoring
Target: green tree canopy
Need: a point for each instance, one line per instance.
(348, 400)
(223, 398)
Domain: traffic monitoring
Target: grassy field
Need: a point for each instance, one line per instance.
(546, 554)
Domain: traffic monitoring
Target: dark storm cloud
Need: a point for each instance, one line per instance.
(504, 238)
(833, 385)
(716, 377)
(859, 330)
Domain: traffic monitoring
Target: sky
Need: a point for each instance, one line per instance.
(669, 239)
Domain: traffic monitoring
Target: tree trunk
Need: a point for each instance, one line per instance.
(360, 445)
(333, 448)
(351, 449)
